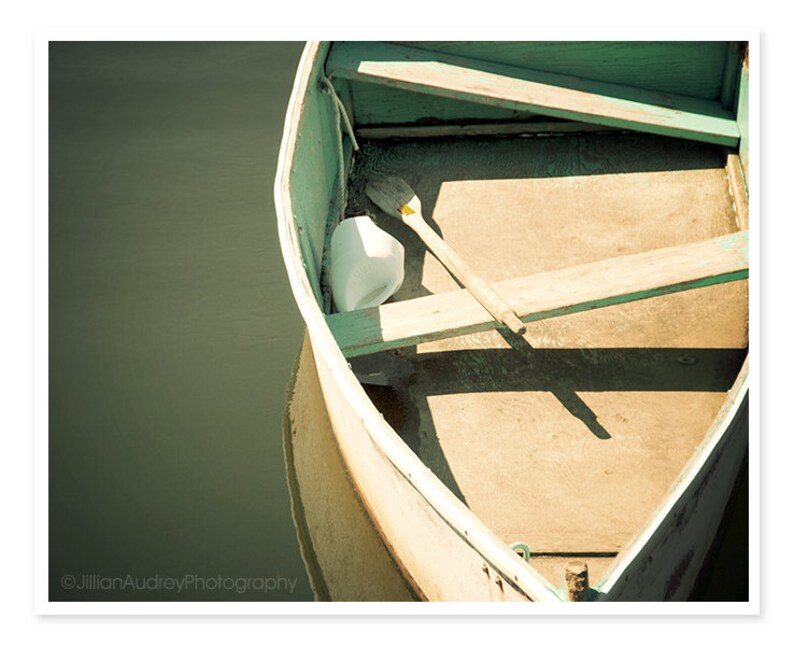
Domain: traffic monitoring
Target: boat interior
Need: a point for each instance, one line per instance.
(602, 190)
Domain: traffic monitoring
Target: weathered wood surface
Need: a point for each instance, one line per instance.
(540, 92)
(314, 150)
(690, 68)
(485, 294)
(577, 581)
(552, 567)
(554, 449)
(397, 199)
(738, 189)
(376, 105)
(560, 202)
(343, 551)
(480, 130)
(444, 545)
(552, 294)
(730, 77)
(650, 196)
(439, 555)
(335, 213)
(743, 116)
(648, 376)
(664, 564)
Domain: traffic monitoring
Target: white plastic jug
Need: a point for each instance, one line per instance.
(367, 264)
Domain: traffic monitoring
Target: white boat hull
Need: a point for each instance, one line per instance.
(442, 550)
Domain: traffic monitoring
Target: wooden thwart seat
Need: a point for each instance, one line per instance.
(541, 296)
(543, 93)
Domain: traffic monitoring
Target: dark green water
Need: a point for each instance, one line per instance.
(172, 328)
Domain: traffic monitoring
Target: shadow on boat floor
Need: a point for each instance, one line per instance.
(560, 372)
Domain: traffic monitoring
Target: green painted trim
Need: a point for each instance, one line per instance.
(377, 104)
(335, 214)
(545, 93)
(688, 68)
(313, 173)
(743, 119)
(730, 78)
(638, 296)
(305, 244)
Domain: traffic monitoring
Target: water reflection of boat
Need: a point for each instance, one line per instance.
(612, 431)
(343, 552)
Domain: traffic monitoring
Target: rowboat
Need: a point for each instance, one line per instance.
(599, 190)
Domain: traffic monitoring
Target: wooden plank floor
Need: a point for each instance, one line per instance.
(568, 438)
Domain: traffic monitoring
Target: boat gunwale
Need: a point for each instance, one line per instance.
(459, 518)
(455, 514)
(734, 400)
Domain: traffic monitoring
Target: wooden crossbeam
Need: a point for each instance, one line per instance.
(545, 93)
(542, 296)
(479, 130)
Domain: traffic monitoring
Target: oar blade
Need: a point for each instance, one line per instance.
(393, 195)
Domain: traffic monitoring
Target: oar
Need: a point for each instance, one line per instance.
(397, 199)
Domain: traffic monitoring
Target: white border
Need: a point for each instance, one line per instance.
(42, 604)
(40, 323)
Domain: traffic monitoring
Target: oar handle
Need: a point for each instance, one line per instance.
(479, 289)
